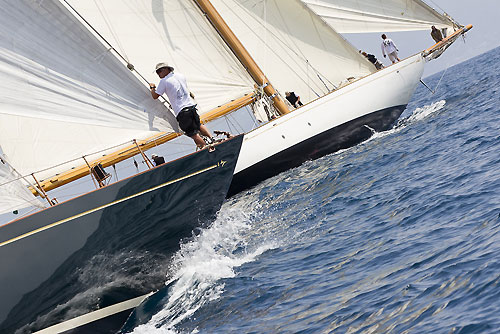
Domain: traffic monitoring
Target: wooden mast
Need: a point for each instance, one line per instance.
(132, 150)
(242, 54)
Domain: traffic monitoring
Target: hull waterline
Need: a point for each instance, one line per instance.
(335, 121)
(104, 248)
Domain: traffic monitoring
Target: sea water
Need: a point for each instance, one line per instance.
(400, 234)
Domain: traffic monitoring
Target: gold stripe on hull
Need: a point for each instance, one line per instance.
(46, 227)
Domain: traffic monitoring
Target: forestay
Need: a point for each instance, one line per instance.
(63, 94)
(295, 49)
(172, 31)
(362, 16)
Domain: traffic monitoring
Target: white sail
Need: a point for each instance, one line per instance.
(62, 94)
(362, 16)
(295, 49)
(172, 31)
(14, 194)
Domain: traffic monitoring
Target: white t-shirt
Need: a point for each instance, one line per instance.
(388, 46)
(175, 86)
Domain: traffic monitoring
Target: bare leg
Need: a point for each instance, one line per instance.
(204, 131)
(198, 140)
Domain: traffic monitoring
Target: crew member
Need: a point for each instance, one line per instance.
(293, 99)
(157, 159)
(436, 34)
(175, 86)
(389, 49)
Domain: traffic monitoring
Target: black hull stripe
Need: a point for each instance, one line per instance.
(46, 227)
(340, 137)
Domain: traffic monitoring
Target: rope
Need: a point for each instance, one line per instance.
(98, 34)
(435, 4)
(110, 27)
(76, 159)
(283, 44)
(111, 47)
(445, 14)
(433, 91)
(251, 114)
(442, 76)
(19, 176)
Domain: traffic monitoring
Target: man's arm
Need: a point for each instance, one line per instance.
(152, 87)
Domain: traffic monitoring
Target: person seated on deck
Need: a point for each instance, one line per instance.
(373, 60)
(293, 99)
(157, 159)
(436, 34)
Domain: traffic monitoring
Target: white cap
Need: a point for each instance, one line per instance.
(163, 65)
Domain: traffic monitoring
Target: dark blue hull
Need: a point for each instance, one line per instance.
(340, 137)
(107, 246)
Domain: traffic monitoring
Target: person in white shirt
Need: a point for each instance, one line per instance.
(175, 86)
(389, 49)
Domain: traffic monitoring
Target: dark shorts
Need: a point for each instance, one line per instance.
(189, 121)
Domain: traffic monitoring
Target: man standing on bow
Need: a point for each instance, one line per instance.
(389, 49)
(436, 34)
(175, 86)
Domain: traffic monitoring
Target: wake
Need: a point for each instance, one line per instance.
(199, 269)
(424, 112)
(417, 115)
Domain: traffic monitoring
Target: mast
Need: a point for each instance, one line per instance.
(242, 54)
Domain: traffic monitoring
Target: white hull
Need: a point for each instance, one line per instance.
(387, 88)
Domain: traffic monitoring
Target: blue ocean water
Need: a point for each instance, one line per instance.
(400, 234)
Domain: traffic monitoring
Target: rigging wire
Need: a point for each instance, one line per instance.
(77, 159)
(433, 91)
(130, 66)
(235, 123)
(435, 4)
(443, 13)
(104, 39)
(19, 177)
(255, 121)
(283, 44)
(442, 76)
(304, 57)
(110, 27)
(229, 124)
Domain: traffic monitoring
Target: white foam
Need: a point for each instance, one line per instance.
(421, 113)
(197, 269)
(417, 115)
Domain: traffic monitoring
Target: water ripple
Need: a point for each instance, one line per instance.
(399, 234)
